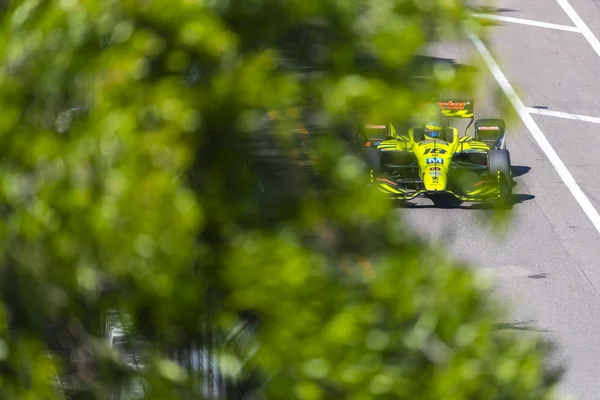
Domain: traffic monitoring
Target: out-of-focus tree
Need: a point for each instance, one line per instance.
(153, 165)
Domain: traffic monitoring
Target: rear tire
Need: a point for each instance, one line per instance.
(500, 167)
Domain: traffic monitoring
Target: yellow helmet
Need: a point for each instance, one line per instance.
(433, 130)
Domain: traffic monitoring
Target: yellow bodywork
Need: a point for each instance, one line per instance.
(434, 158)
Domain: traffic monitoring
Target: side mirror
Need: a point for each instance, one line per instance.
(491, 132)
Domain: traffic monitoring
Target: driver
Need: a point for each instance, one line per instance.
(433, 131)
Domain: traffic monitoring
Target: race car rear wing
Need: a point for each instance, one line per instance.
(456, 108)
(448, 109)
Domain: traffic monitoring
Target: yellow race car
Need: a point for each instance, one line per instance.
(435, 162)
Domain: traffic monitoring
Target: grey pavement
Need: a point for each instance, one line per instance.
(547, 263)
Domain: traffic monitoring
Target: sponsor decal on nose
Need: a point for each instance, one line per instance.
(435, 160)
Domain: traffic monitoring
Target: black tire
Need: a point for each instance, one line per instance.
(499, 166)
(372, 157)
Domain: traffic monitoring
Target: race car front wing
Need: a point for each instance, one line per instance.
(484, 191)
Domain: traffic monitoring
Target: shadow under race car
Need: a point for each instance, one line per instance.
(448, 170)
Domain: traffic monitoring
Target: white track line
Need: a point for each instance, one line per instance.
(528, 22)
(537, 133)
(583, 28)
(561, 114)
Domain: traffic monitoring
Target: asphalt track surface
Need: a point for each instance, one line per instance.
(547, 263)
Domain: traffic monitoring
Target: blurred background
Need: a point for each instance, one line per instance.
(185, 209)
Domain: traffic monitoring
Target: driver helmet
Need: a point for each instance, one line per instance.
(433, 130)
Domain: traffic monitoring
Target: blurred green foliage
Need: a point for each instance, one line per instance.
(141, 177)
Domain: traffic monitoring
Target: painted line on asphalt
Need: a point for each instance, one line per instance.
(529, 22)
(583, 28)
(537, 133)
(560, 114)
